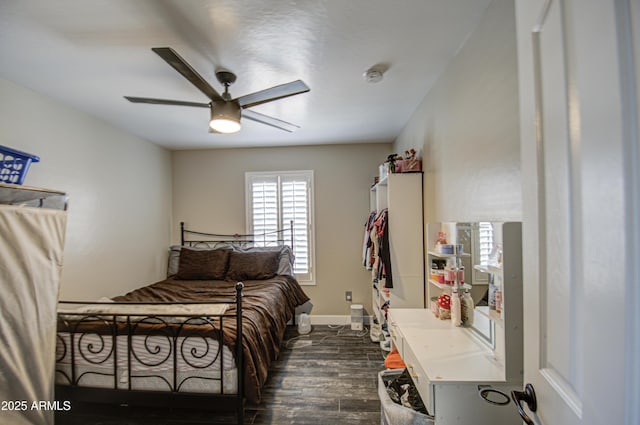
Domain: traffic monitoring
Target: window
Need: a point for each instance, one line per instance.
(485, 233)
(281, 200)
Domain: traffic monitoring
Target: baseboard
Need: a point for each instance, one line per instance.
(320, 319)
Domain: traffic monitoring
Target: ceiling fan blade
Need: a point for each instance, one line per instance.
(274, 93)
(266, 119)
(180, 65)
(165, 102)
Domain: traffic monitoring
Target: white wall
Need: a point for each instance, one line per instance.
(467, 128)
(209, 196)
(119, 191)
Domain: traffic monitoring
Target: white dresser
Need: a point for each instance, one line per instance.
(450, 367)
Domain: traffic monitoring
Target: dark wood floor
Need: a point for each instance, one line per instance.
(326, 377)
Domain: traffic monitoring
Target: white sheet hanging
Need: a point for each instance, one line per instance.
(31, 253)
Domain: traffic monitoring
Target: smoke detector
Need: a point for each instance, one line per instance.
(373, 75)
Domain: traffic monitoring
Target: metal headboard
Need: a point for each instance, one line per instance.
(194, 238)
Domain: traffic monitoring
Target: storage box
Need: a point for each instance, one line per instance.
(14, 165)
(408, 165)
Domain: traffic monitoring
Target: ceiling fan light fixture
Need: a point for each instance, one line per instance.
(225, 117)
(225, 110)
(222, 125)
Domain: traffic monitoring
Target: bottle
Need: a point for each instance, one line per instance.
(499, 294)
(467, 308)
(498, 300)
(492, 292)
(456, 317)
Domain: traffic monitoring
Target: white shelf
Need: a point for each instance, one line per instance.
(437, 284)
(488, 268)
(440, 255)
(11, 194)
(447, 287)
(381, 296)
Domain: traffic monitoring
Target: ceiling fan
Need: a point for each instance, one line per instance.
(225, 111)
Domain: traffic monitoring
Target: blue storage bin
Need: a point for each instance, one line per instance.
(14, 165)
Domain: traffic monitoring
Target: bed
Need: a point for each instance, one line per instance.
(204, 336)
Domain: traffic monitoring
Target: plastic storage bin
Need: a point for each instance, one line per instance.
(392, 413)
(14, 165)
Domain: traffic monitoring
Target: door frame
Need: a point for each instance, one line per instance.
(628, 24)
(627, 38)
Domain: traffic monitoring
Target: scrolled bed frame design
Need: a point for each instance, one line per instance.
(99, 348)
(103, 347)
(213, 240)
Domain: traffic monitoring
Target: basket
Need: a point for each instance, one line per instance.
(14, 165)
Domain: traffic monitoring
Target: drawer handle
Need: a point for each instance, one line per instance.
(485, 393)
(411, 373)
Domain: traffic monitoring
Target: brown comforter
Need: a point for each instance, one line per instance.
(267, 306)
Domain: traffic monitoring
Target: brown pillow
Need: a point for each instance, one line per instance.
(253, 265)
(203, 264)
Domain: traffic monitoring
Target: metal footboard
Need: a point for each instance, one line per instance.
(107, 353)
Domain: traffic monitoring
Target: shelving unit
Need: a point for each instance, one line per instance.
(12, 194)
(480, 269)
(431, 255)
(401, 194)
(466, 235)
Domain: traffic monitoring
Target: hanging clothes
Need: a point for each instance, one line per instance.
(367, 246)
(383, 255)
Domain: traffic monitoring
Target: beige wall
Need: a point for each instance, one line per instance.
(209, 195)
(467, 128)
(119, 191)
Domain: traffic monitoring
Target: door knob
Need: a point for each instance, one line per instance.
(528, 396)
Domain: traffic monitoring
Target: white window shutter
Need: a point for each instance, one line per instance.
(485, 233)
(274, 201)
(295, 208)
(265, 209)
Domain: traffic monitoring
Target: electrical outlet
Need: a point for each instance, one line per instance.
(347, 296)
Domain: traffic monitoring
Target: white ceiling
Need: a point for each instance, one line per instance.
(88, 54)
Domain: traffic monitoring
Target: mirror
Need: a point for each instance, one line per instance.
(477, 242)
(476, 247)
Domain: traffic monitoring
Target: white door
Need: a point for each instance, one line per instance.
(579, 150)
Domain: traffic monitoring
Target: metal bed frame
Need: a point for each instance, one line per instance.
(128, 325)
(213, 240)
